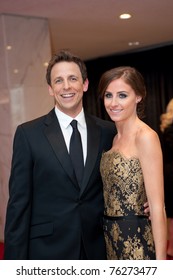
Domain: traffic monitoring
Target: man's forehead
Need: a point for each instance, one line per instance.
(64, 67)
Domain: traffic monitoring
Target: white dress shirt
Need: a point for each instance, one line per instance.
(65, 120)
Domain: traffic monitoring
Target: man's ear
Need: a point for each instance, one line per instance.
(50, 91)
(85, 85)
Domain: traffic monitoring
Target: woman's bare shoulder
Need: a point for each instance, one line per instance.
(145, 132)
(146, 137)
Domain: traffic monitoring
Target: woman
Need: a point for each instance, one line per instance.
(166, 128)
(132, 171)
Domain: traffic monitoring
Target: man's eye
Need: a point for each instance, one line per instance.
(58, 81)
(73, 78)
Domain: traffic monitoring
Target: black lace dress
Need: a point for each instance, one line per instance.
(127, 230)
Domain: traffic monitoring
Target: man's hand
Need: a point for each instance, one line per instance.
(147, 209)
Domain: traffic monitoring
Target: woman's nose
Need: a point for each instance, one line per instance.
(114, 101)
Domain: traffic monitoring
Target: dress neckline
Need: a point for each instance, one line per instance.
(126, 158)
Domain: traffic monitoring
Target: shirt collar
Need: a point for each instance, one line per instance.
(65, 120)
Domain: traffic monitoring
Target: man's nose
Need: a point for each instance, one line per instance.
(66, 84)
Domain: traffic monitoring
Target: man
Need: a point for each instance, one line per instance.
(49, 214)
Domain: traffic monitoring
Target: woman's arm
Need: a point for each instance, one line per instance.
(150, 156)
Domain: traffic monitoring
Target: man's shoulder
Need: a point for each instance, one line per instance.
(37, 121)
(104, 125)
(102, 122)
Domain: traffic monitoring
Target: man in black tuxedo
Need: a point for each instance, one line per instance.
(50, 215)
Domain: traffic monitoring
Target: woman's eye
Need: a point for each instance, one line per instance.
(122, 95)
(108, 95)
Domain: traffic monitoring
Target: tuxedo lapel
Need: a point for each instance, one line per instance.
(93, 139)
(55, 137)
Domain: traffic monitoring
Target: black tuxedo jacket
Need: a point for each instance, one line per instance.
(48, 215)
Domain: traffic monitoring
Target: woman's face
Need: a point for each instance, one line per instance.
(120, 100)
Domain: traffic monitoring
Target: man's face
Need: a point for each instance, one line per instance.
(67, 87)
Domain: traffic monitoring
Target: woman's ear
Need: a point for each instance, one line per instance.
(138, 98)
